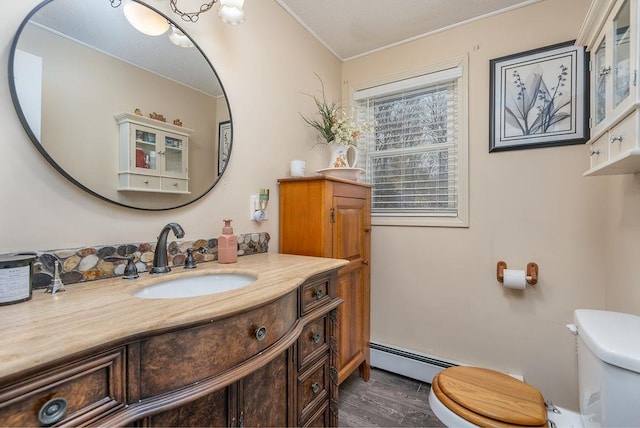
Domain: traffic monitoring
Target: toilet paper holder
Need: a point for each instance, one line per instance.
(532, 272)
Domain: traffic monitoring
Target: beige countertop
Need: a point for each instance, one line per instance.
(92, 314)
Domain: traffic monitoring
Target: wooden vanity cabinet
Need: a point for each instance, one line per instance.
(331, 217)
(271, 365)
(262, 398)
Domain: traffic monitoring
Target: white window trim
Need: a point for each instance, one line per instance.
(462, 218)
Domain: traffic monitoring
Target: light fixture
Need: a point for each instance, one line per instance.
(147, 21)
(144, 19)
(177, 37)
(231, 11)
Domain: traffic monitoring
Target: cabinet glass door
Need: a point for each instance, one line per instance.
(145, 155)
(621, 54)
(173, 155)
(600, 95)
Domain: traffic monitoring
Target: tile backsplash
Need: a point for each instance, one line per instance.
(88, 263)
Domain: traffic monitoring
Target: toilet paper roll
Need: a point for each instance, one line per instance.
(514, 278)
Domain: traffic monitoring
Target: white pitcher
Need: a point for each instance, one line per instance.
(340, 155)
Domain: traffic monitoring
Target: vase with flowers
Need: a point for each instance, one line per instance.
(338, 130)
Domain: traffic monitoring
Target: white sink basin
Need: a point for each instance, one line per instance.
(195, 286)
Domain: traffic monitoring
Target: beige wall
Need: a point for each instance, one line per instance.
(265, 65)
(434, 290)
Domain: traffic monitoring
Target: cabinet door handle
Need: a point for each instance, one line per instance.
(316, 338)
(52, 411)
(365, 262)
(261, 333)
(616, 139)
(319, 293)
(594, 152)
(315, 387)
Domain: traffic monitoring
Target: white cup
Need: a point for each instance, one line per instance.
(297, 168)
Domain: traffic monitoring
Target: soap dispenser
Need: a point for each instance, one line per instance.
(227, 244)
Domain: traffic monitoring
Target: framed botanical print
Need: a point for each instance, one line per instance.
(539, 98)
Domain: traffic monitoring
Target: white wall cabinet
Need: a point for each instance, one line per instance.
(153, 155)
(610, 32)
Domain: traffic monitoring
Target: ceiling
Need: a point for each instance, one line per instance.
(95, 23)
(350, 28)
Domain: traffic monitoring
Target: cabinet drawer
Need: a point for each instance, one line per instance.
(314, 294)
(322, 418)
(140, 182)
(171, 360)
(598, 150)
(312, 342)
(623, 136)
(174, 185)
(313, 387)
(90, 387)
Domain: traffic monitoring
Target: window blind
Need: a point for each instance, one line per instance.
(411, 157)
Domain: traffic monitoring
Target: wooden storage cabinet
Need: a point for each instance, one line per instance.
(331, 217)
(153, 155)
(610, 32)
(272, 365)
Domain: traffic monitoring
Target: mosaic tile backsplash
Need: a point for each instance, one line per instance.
(88, 263)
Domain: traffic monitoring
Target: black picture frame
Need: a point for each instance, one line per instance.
(539, 98)
(224, 144)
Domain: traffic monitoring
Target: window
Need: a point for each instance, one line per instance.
(417, 155)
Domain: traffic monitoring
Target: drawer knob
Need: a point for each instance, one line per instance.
(52, 411)
(261, 333)
(616, 139)
(146, 181)
(315, 387)
(316, 338)
(319, 294)
(594, 152)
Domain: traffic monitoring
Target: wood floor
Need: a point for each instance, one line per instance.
(387, 400)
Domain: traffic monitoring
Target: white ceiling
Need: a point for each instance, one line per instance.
(350, 28)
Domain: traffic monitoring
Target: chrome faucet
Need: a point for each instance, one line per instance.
(160, 263)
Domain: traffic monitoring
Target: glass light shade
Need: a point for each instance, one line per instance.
(231, 11)
(144, 19)
(177, 37)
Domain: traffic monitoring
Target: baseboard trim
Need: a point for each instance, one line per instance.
(406, 362)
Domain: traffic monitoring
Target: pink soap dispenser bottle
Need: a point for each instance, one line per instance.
(227, 244)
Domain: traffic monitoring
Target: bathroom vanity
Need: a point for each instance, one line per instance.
(264, 354)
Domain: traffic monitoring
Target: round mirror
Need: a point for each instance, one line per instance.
(141, 121)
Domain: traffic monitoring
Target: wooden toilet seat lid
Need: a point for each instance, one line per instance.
(490, 398)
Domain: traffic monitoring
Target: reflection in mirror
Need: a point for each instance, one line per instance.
(78, 65)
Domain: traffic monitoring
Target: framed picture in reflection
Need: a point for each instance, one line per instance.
(224, 144)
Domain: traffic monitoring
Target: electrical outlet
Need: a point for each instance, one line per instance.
(254, 205)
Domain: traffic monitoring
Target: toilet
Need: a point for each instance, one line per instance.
(608, 348)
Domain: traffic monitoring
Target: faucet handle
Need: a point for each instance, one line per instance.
(130, 270)
(190, 260)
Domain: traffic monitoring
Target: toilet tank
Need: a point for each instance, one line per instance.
(608, 347)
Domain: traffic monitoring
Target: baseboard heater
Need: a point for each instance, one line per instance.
(406, 362)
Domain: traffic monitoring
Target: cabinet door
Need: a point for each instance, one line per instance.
(174, 156)
(145, 149)
(622, 58)
(263, 396)
(350, 243)
(212, 410)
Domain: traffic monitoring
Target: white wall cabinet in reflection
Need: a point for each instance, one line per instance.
(153, 155)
